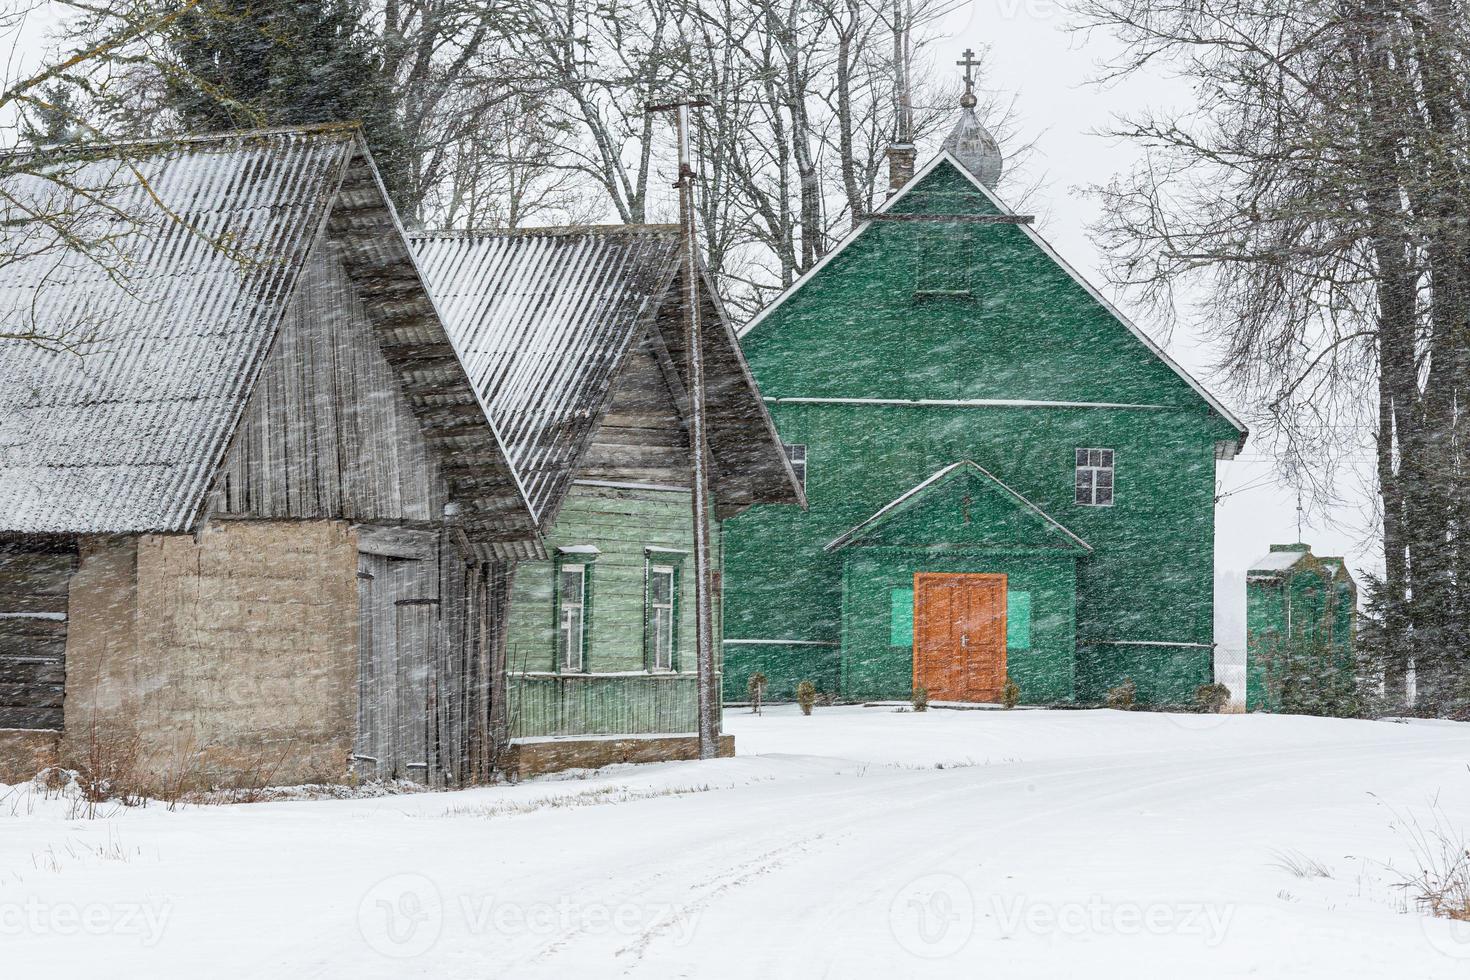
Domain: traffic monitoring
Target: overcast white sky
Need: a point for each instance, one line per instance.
(1033, 56)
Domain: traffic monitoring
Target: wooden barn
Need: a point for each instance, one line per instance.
(575, 340)
(264, 518)
(254, 523)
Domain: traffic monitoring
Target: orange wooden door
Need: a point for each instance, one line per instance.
(960, 636)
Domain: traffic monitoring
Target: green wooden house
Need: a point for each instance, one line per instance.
(1005, 476)
(1301, 627)
(575, 339)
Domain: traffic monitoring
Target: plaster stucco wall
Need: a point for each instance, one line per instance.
(225, 660)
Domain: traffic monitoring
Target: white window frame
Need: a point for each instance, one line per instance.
(796, 455)
(1096, 469)
(668, 632)
(571, 657)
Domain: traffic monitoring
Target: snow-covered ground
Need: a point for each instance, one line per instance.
(858, 842)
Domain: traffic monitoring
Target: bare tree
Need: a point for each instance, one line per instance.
(1316, 198)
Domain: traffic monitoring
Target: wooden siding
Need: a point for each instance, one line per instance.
(964, 380)
(327, 432)
(573, 704)
(622, 523)
(34, 578)
(642, 438)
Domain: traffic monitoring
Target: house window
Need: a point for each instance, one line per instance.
(796, 453)
(1095, 477)
(660, 625)
(571, 636)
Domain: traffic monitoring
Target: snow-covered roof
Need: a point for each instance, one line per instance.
(1278, 561)
(123, 429)
(543, 319)
(123, 433)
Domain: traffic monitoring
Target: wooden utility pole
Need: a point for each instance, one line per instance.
(704, 637)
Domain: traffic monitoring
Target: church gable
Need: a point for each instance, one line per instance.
(963, 507)
(914, 308)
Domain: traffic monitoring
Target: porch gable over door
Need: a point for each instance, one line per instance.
(963, 507)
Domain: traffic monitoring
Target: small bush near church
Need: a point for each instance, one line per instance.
(921, 698)
(1124, 696)
(1010, 695)
(806, 696)
(1211, 698)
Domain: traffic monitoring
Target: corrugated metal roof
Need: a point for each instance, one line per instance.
(123, 433)
(542, 320)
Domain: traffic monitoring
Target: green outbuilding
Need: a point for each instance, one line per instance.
(1006, 478)
(1301, 625)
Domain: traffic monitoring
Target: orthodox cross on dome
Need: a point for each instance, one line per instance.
(968, 63)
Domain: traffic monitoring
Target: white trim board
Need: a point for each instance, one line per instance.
(969, 403)
(1030, 231)
(907, 496)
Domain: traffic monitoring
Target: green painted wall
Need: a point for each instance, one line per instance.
(1029, 332)
(605, 699)
(1301, 621)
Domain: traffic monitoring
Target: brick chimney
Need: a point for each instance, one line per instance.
(900, 165)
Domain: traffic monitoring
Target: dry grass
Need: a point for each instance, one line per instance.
(106, 771)
(1298, 865)
(1440, 881)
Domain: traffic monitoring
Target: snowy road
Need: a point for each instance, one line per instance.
(858, 842)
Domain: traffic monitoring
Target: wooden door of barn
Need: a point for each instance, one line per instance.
(398, 609)
(960, 636)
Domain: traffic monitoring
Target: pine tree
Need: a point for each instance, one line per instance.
(52, 118)
(250, 63)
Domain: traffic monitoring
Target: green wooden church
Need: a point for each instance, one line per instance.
(1005, 476)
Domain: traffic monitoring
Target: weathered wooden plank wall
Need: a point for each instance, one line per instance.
(429, 625)
(34, 576)
(642, 438)
(327, 431)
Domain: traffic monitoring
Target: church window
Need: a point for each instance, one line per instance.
(796, 453)
(901, 618)
(1018, 620)
(1095, 477)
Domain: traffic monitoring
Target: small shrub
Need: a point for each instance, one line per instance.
(806, 696)
(921, 698)
(756, 688)
(1211, 699)
(1124, 696)
(1010, 695)
(107, 768)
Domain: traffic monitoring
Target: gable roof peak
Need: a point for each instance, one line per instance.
(962, 468)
